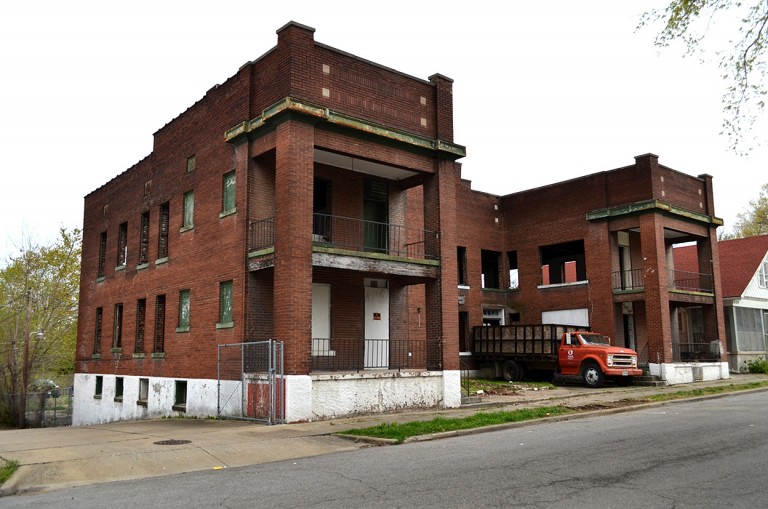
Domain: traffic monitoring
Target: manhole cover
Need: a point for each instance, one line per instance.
(173, 441)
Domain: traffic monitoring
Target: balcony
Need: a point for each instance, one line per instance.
(355, 355)
(677, 280)
(344, 233)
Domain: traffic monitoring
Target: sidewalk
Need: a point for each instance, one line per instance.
(55, 458)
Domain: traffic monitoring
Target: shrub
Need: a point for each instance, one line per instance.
(757, 366)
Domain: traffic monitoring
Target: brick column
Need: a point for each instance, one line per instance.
(442, 320)
(714, 318)
(657, 315)
(294, 181)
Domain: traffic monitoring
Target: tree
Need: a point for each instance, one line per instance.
(38, 318)
(742, 59)
(754, 220)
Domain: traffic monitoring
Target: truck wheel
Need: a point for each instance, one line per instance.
(512, 371)
(592, 375)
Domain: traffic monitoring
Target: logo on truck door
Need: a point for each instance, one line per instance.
(570, 353)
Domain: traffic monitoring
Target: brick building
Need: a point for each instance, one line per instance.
(316, 198)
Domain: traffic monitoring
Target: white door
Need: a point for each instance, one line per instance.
(321, 320)
(376, 327)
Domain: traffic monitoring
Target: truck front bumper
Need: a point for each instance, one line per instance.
(623, 372)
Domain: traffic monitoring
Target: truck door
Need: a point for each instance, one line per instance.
(570, 354)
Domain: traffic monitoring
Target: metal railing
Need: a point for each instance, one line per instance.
(628, 279)
(355, 235)
(706, 351)
(676, 280)
(46, 408)
(689, 281)
(331, 354)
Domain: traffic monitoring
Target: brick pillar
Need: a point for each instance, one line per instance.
(654, 252)
(293, 242)
(443, 106)
(442, 313)
(709, 263)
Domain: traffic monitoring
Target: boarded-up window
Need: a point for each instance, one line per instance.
(102, 254)
(228, 192)
(159, 324)
(97, 335)
(122, 244)
(225, 302)
(184, 309)
(141, 318)
(189, 210)
(144, 240)
(117, 327)
(162, 241)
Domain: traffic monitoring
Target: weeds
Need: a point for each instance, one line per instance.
(8, 468)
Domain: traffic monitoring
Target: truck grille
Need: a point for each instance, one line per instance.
(622, 361)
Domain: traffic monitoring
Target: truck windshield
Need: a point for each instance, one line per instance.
(595, 339)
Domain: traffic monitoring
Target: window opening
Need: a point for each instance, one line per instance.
(228, 193)
(117, 329)
(225, 303)
(514, 276)
(375, 215)
(119, 388)
(159, 324)
(180, 398)
(122, 244)
(141, 317)
(191, 163)
(102, 254)
(183, 311)
(143, 391)
(563, 263)
(163, 226)
(99, 386)
(461, 263)
(490, 269)
(189, 210)
(144, 241)
(97, 336)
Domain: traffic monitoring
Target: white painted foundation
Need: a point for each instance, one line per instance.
(307, 397)
(683, 373)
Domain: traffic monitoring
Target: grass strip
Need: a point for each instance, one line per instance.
(401, 431)
(706, 391)
(7, 469)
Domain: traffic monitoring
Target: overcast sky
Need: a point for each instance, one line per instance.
(543, 91)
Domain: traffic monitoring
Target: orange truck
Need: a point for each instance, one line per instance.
(541, 351)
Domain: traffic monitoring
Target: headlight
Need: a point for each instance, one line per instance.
(634, 361)
(609, 360)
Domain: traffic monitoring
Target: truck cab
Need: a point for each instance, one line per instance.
(590, 356)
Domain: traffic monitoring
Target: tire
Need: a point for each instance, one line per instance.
(512, 371)
(592, 375)
(624, 381)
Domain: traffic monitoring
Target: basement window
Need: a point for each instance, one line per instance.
(99, 387)
(180, 398)
(143, 392)
(563, 263)
(119, 389)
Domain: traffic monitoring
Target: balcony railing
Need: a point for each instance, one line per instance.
(332, 354)
(705, 351)
(355, 235)
(676, 280)
(628, 279)
(689, 281)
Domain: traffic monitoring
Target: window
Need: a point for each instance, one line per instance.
(514, 278)
(461, 263)
(492, 316)
(189, 210)
(117, 328)
(122, 244)
(228, 193)
(225, 305)
(141, 317)
(180, 399)
(144, 241)
(191, 163)
(163, 226)
(159, 324)
(490, 266)
(99, 387)
(762, 275)
(102, 254)
(143, 392)
(97, 336)
(183, 311)
(563, 263)
(119, 388)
